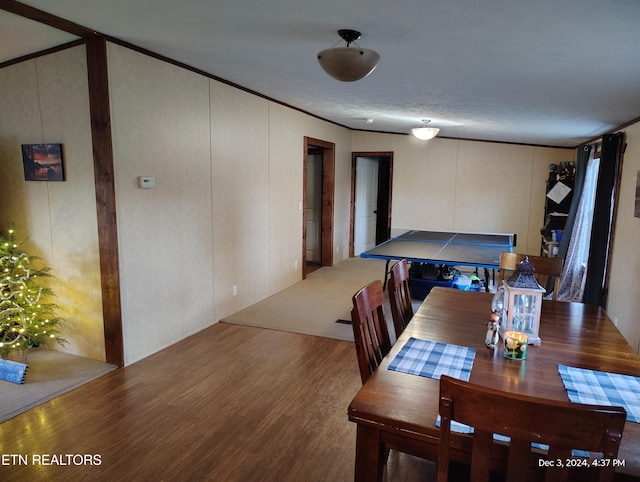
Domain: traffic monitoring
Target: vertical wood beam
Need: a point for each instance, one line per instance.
(105, 198)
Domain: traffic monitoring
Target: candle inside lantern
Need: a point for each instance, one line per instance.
(515, 345)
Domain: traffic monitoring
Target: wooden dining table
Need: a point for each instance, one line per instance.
(399, 410)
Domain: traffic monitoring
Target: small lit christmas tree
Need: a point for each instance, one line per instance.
(27, 317)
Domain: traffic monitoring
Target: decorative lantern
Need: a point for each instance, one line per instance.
(522, 303)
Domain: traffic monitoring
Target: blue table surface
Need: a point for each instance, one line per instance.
(481, 250)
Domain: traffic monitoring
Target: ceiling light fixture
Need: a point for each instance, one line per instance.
(348, 64)
(425, 132)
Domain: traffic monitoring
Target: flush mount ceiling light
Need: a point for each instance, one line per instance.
(348, 64)
(425, 132)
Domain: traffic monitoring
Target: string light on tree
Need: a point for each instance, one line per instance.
(27, 316)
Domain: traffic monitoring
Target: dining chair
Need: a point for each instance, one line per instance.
(400, 296)
(545, 268)
(370, 331)
(562, 426)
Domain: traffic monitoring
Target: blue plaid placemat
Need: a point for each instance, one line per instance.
(601, 388)
(431, 359)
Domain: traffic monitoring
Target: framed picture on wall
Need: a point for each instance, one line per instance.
(42, 162)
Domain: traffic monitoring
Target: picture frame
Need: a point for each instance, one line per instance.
(42, 162)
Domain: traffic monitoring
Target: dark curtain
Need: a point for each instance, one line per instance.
(584, 152)
(610, 160)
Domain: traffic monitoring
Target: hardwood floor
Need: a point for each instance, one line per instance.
(311, 267)
(232, 403)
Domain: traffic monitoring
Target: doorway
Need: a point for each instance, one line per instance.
(318, 200)
(313, 209)
(371, 181)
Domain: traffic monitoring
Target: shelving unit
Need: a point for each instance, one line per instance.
(560, 185)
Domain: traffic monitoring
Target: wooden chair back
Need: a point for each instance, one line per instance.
(562, 426)
(370, 331)
(545, 268)
(400, 296)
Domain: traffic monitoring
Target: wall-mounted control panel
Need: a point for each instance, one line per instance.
(146, 182)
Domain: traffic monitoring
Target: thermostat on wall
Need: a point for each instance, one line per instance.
(146, 182)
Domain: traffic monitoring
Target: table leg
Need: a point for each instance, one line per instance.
(370, 455)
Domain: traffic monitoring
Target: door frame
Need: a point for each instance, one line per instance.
(328, 189)
(354, 156)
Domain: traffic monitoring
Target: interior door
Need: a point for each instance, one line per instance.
(365, 206)
(314, 207)
(326, 151)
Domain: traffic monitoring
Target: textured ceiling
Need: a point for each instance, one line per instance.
(544, 72)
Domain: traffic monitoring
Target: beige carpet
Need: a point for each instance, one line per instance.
(50, 374)
(313, 306)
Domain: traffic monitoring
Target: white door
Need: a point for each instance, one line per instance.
(313, 211)
(366, 200)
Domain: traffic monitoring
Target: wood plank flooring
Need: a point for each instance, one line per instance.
(232, 403)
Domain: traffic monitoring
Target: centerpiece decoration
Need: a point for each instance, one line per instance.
(27, 314)
(522, 304)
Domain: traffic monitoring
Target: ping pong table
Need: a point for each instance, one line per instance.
(477, 250)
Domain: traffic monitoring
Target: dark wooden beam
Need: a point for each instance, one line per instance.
(105, 198)
(46, 18)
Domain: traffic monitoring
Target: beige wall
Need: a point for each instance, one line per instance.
(160, 126)
(624, 301)
(285, 195)
(46, 101)
(240, 157)
(225, 210)
(447, 184)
